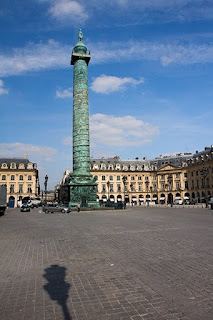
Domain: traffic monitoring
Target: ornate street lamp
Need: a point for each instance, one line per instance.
(204, 172)
(147, 187)
(124, 182)
(108, 185)
(45, 186)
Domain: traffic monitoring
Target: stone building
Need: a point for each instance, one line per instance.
(200, 175)
(161, 180)
(20, 175)
(184, 176)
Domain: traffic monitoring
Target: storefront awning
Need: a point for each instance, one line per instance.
(162, 198)
(186, 198)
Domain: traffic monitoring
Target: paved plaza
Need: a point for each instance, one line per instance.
(138, 263)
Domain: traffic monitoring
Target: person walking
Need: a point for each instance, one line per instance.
(78, 206)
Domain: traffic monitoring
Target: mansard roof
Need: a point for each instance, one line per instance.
(17, 161)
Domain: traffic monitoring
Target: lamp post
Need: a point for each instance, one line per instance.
(108, 185)
(147, 187)
(131, 190)
(124, 182)
(170, 180)
(204, 173)
(45, 186)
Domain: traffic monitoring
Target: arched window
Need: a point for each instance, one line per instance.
(21, 177)
(13, 165)
(12, 177)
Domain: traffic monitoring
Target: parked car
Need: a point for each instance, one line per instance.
(56, 208)
(178, 201)
(25, 207)
(186, 201)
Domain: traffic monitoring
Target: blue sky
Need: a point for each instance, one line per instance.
(150, 78)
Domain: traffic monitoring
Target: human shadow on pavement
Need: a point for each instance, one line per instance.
(57, 287)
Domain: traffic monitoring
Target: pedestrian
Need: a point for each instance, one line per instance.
(78, 206)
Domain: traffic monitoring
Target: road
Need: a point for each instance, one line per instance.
(139, 263)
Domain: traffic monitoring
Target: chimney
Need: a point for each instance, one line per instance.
(25, 156)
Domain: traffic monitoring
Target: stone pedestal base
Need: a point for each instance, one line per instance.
(83, 191)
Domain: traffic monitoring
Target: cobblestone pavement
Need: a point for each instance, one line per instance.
(139, 263)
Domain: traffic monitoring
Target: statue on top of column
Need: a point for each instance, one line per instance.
(80, 35)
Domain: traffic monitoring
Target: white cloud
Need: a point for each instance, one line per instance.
(66, 93)
(2, 89)
(108, 130)
(68, 10)
(35, 57)
(54, 55)
(107, 84)
(36, 153)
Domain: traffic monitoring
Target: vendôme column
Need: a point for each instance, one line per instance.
(83, 187)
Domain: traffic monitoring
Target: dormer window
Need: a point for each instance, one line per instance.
(21, 166)
(12, 165)
(4, 165)
(30, 166)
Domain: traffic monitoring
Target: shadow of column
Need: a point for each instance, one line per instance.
(57, 287)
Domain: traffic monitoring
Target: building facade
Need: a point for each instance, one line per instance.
(200, 175)
(184, 176)
(20, 175)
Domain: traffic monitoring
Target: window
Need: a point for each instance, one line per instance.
(196, 173)
(132, 187)
(146, 178)
(132, 178)
(29, 189)
(140, 178)
(13, 165)
(3, 177)
(30, 166)
(177, 175)
(118, 187)
(185, 175)
(154, 177)
(162, 186)
(103, 178)
(12, 188)
(177, 185)
(20, 188)
(21, 177)
(197, 184)
(103, 167)
(12, 177)
(186, 185)
(111, 187)
(29, 177)
(140, 187)
(111, 178)
(162, 177)
(118, 178)
(103, 187)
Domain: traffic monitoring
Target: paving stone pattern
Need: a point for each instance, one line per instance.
(139, 263)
